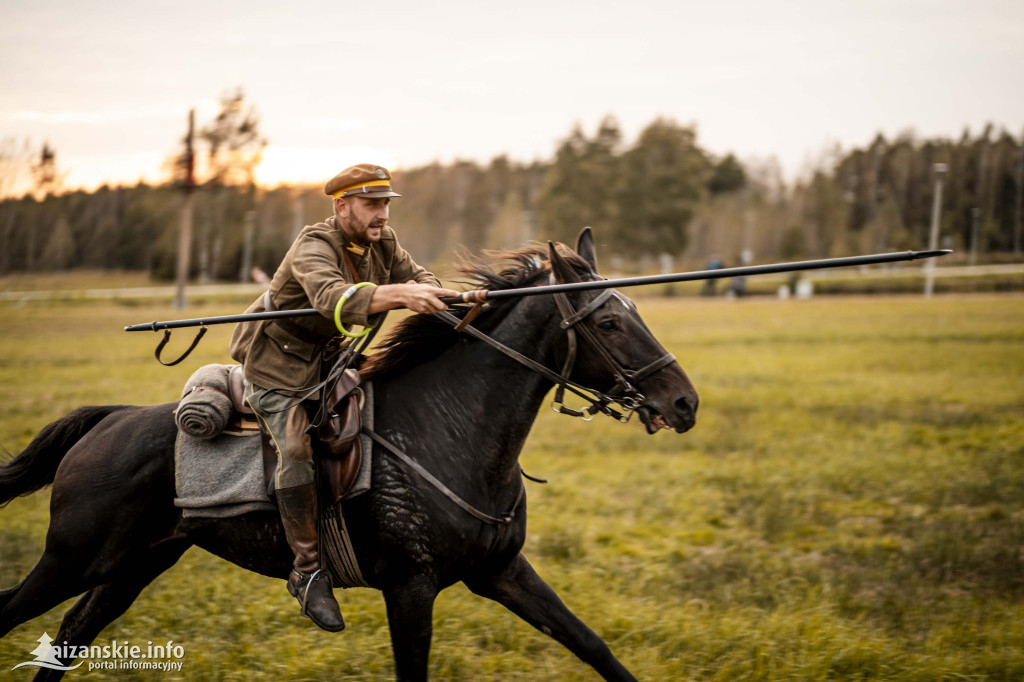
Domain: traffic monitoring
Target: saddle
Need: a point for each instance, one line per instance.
(337, 453)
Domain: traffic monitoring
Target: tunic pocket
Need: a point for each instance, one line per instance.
(290, 344)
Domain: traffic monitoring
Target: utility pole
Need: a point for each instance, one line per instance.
(298, 216)
(1019, 184)
(185, 233)
(975, 225)
(250, 233)
(933, 238)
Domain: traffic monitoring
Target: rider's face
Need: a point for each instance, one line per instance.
(361, 219)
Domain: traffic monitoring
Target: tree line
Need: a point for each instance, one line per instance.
(662, 195)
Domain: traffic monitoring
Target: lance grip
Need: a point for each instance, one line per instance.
(473, 296)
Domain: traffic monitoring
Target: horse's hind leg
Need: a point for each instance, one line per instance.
(64, 571)
(100, 522)
(48, 584)
(102, 605)
(521, 590)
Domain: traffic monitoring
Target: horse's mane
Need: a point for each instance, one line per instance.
(420, 338)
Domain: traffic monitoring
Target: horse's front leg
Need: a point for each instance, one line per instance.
(521, 590)
(410, 619)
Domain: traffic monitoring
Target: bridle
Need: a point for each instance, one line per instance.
(624, 393)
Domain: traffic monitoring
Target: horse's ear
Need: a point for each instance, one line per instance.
(585, 247)
(564, 273)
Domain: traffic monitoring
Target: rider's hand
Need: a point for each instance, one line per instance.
(424, 298)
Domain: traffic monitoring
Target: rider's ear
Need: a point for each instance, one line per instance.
(563, 271)
(585, 247)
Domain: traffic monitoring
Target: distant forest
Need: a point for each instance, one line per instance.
(660, 196)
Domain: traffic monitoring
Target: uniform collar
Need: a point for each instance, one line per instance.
(355, 250)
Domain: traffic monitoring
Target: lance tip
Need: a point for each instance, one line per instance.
(932, 254)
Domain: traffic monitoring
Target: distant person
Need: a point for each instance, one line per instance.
(284, 356)
(259, 276)
(738, 285)
(710, 287)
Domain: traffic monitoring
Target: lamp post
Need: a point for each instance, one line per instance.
(185, 232)
(933, 238)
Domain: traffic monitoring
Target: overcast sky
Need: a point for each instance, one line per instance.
(109, 84)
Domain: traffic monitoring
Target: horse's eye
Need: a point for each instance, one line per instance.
(608, 325)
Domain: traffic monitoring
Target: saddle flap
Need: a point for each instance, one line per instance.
(337, 474)
(340, 453)
(342, 425)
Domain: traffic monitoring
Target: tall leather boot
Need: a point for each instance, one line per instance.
(307, 583)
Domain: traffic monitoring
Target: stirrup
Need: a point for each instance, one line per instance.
(309, 578)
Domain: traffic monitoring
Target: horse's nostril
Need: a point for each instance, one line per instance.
(686, 405)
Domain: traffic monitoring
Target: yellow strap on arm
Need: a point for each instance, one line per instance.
(341, 301)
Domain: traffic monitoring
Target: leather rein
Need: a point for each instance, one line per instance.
(629, 399)
(624, 393)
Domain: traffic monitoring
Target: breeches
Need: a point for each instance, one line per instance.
(287, 429)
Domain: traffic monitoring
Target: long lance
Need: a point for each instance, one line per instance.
(479, 296)
(720, 273)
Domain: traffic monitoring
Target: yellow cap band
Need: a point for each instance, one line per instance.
(372, 183)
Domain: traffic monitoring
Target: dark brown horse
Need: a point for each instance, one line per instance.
(461, 409)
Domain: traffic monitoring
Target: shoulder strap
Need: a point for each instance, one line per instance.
(351, 268)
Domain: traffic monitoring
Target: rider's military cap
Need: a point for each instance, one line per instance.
(362, 180)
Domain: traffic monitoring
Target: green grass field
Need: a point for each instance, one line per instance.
(850, 506)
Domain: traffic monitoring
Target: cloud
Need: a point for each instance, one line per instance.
(313, 165)
(175, 109)
(336, 125)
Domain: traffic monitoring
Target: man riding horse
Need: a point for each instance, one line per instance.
(349, 267)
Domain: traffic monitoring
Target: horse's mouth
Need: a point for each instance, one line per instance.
(652, 420)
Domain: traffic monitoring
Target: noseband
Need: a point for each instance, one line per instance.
(623, 393)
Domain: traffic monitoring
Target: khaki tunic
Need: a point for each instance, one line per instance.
(286, 353)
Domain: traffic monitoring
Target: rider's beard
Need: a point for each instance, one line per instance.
(359, 231)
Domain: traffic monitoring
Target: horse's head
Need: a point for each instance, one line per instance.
(615, 352)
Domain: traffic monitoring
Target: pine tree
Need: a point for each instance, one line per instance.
(663, 178)
(44, 652)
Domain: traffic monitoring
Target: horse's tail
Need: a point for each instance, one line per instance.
(37, 464)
